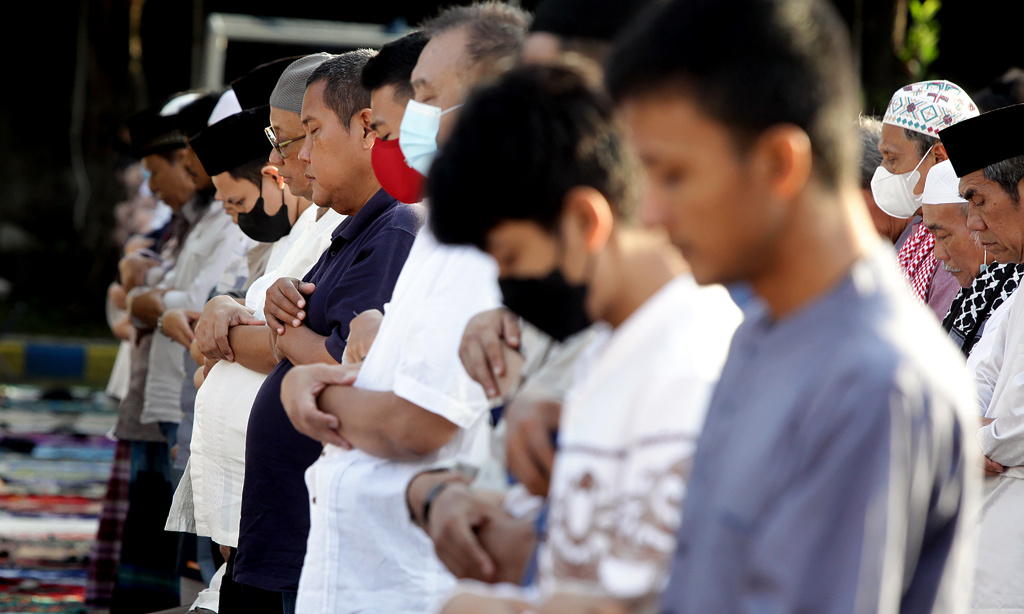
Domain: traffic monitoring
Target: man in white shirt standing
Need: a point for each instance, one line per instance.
(413, 404)
(987, 153)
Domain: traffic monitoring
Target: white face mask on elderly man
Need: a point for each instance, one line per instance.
(417, 135)
(894, 194)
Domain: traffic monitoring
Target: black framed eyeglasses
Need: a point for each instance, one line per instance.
(269, 131)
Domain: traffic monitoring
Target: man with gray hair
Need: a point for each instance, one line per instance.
(892, 229)
(987, 152)
(309, 321)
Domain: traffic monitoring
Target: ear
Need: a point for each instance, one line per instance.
(939, 152)
(783, 159)
(361, 122)
(589, 209)
(271, 171)
(181, 155)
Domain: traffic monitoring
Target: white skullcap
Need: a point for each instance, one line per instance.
(226, 106)
(929, 106)
(176, 104)
(942, 186)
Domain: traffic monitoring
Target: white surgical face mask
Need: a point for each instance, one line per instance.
(894, 194)
(417, 135)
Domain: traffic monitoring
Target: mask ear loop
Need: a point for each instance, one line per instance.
(452, 108)
(923, 158)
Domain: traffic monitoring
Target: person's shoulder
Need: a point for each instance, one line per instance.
(404, 217)
(898, 351)
(882, 342)
(701, 314)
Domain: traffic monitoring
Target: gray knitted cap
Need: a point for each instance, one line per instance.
(291, 87)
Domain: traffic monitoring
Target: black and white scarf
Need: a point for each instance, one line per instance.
(972, 306)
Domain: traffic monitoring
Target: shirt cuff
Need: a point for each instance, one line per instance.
(456, 411)
(335, 347)
(175, 299)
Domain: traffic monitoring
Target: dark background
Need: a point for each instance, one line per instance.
(60, 269)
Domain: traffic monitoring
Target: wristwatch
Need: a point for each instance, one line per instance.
(160, 323)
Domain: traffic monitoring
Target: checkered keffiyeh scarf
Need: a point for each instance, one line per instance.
(972, 306)
(917, 259)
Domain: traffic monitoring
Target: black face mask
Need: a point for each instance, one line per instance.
(552, 304)
(259, 226)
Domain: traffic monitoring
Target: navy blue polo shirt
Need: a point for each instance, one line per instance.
(358, 272)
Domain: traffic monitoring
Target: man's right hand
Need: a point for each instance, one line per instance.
(177, 324)
(456, 515)
(299, 391)
(133, 268)
(992, 467)
(529, 449)
(286, 301)
(481, 350)
(219, 315)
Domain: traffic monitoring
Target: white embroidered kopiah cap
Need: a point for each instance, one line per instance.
(929, 106)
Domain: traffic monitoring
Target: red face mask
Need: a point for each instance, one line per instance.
(396, 177)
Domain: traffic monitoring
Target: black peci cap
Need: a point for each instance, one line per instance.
(233, 141)
(975, 143)
(254, 88)
(152, 133)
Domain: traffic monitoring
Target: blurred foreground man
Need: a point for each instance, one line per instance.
(569, 254)
(832, 474)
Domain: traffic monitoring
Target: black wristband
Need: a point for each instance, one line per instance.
(431, 495)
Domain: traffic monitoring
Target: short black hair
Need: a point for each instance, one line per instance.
(344, 92)
(517, 149)
(496, 30)
(750, 65)
(251, 171)
(394, 63)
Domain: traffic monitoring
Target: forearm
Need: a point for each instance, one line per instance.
(384, 424)
(302, 346)
(420, 487)
(251, 346)
(572, 603)
(1003, 440)
(146, 306)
